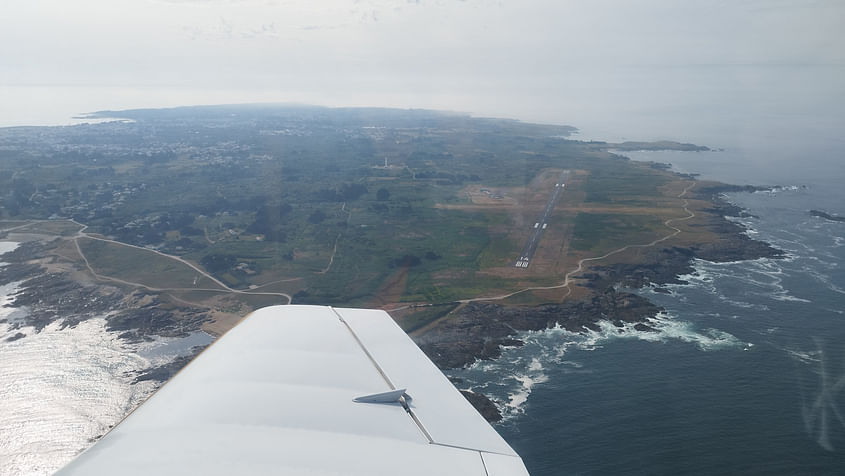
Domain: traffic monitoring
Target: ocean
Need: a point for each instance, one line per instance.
(747, 373)
(63, 387)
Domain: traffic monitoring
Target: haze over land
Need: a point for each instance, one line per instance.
(549, 61)
(738, 372)
(364, 207)
(187, 219)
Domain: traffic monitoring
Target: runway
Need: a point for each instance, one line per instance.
(540, 225)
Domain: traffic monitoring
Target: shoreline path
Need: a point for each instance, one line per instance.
(82, 234)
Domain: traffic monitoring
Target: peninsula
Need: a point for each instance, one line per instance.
(467, 230)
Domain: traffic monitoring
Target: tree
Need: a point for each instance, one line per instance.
(407, 261)
(383, 194)
(216, 263)
(317, 217)
(269, 220)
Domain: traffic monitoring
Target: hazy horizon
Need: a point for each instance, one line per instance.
(724, 383)
(575, 63)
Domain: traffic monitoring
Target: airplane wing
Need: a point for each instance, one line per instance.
(305, 390)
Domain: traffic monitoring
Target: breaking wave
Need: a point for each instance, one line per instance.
(511, 379)
(669, 328)
(755, 278)
(781, 188)
(527, 381)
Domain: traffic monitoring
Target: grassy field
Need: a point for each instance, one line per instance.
(424, 316)
(341, 207)
(57, 227)
(598, 233)
(141, 266)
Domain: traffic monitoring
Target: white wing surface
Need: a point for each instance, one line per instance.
(277, 395)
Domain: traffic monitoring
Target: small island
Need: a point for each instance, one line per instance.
(467, 230)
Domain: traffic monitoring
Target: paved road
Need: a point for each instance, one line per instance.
(539, 226)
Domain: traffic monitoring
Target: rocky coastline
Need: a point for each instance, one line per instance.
(478, 330)
(55, 296)
(481, 330)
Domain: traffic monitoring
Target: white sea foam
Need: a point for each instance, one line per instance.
(708, 275)
(806, 244)
(824, 279)
(743, 304)
(528, 366)
(788, 297)
(739, 284)
(520, 369)
(669, 328)
(778, 189)
(701, 277)
(804, 356)
(765, 274)
(533, 376)
(535, 365)
(826, 260)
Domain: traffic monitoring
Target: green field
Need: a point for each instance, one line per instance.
(600, 233)
(303, 193)
(141, 266)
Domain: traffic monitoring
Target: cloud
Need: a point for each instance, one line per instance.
(439, 50)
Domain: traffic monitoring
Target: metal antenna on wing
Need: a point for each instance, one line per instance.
(393, 396)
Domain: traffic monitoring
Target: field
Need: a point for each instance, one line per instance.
(140, 266)
(340, 207)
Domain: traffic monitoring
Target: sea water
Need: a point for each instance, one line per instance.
(61, 388)
(747, 373)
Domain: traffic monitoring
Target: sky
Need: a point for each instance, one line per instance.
(494, 57)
